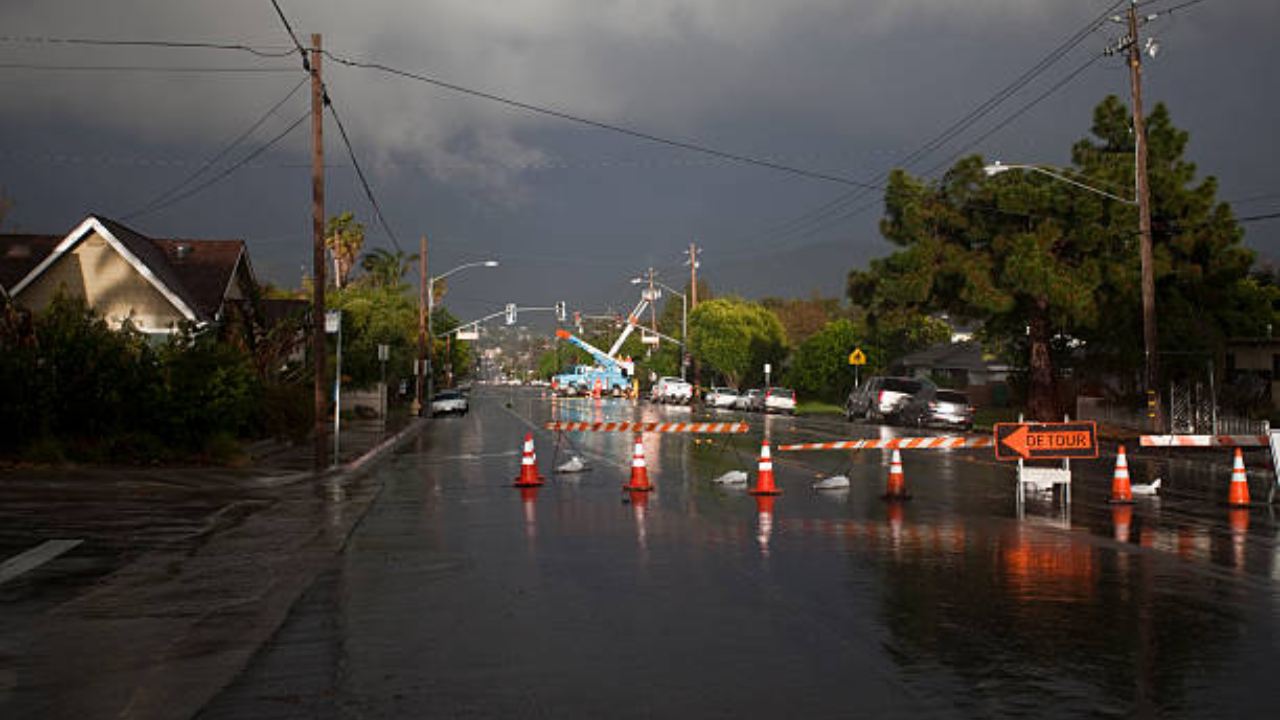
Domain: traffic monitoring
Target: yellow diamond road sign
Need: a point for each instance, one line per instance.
(857, 357)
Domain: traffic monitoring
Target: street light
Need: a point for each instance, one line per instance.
(431, 297)
(1144, 256)
(684, 319)
(998, 167)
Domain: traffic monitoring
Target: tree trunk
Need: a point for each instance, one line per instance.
(1042, 396)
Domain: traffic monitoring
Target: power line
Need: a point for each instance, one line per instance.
(816, 225)
(1018, 113)
(1256, 218)
(142, 68)
(172, 44)
(306, 62)
(342, 130)
(812, 221)
(735, 157)
(1170, 10)
(162, 197)
(261, 149)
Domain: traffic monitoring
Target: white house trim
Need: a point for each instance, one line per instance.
(75, 236)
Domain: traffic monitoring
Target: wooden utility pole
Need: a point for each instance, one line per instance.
(319, 343)
(422, 325)
(1144, 226)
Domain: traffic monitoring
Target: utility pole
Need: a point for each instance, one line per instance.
(1144, 225)
(422, 327)
(319, 343)
(693, 303)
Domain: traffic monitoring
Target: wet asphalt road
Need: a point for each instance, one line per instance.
(460, 596)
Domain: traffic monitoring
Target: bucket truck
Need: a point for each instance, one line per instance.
(610, 374)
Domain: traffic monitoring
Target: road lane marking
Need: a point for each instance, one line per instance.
(34, 558)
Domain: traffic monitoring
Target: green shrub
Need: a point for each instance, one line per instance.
(45, 451)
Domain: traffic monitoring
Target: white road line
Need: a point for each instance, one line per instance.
(34, 558)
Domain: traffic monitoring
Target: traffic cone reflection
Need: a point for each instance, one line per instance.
(896, 488)
(1239, 519)
(528, 496)
(639, 471)
(529, 476)
(764, 517)
(1120, 490)
(1122, 519)
(1238, 492)
(764, 480)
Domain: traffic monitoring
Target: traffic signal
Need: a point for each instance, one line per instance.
(511, 313)
(561, 313)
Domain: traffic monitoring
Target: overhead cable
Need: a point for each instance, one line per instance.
(198, 188)
(174, 44)
(164, 196)
(745, 159)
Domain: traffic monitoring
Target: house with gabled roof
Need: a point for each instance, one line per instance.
(157, 284)
(962, 365)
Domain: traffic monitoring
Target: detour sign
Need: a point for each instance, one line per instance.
(1046, 441)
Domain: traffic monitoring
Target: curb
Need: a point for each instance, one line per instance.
(351, 467)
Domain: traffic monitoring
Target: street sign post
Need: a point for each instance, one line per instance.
(857, 359)
(1046, 441)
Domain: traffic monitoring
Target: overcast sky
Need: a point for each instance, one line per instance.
(845, 88)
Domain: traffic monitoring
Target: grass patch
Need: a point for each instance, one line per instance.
(985, 418)
(813, 407)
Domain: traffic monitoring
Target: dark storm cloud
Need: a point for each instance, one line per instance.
(844, 88)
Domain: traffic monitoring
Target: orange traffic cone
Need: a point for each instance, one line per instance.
(529, 476)
(1120, 490)
(896, 489)
(764, 482)
(1238, 492)
(639, 471)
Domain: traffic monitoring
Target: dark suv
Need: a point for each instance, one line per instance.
(880, 398)
(935, 406)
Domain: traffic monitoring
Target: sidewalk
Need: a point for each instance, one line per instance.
(277, 460)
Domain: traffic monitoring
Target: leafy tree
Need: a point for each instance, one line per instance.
(344, 237)
(1044, 264)
(801, 319)
(453, 358)
(820, 367)
(1205, 292)
(736, 338)
(374, 315)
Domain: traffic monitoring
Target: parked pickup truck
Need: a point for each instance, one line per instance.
(671, 390)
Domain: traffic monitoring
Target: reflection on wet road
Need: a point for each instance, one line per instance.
(461, 596)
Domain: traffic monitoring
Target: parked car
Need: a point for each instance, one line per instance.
(880, 397)
(780, 400)
(751, 401)
(449, 401)
(935, 406)
(721, 397)
(671, 390)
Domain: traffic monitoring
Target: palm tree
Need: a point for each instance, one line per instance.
(344, 237)
(384, 268)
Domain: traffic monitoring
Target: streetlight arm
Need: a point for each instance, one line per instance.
(484, 263)
(996, 169)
